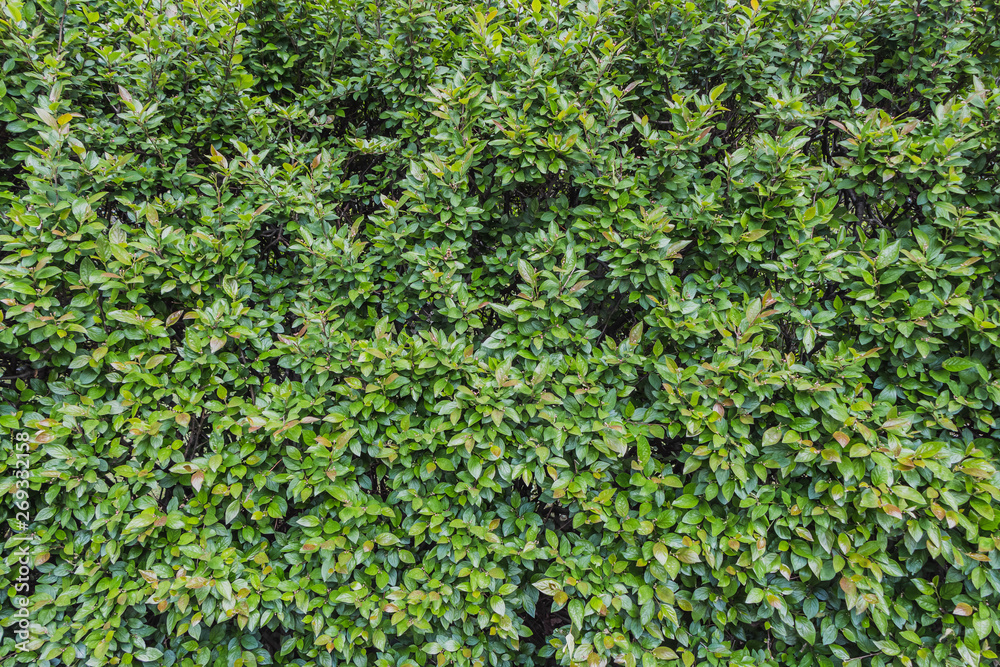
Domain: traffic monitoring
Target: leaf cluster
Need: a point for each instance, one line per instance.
(583, 333)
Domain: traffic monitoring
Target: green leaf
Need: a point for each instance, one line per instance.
(803, 424)
(686, 555)
(149, 654)
(635, 335)
(576, 610)
(686, 501)
(126, 317)
(232, 510)
(387, 539)
(888, 255)
(957, 365)
(548, 586)
(772, 436)
(806, 630)
(643, 451)
(526, 273)
(139, 522)
(497, 605)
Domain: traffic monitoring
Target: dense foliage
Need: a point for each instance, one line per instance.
(543, 333)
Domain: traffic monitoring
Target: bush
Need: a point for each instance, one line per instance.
(548, 333)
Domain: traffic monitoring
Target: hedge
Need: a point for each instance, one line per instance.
(414, 333)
